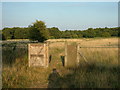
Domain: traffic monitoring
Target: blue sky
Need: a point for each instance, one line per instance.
(64, 15)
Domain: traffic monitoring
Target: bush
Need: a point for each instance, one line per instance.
(38, 31)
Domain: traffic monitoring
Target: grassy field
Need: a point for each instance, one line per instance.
(100, 71)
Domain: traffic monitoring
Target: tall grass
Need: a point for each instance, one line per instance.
(101, 70)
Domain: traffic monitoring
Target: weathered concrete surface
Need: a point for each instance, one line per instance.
(71, 56)
(38, 54)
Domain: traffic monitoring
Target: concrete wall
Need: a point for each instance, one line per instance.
(71, 55)
(38, 54)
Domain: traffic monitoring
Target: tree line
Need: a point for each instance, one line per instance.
(39, 31)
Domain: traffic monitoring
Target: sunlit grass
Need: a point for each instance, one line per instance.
(101, 70)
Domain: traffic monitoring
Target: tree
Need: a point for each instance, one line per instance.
(38, 31)
(54, 32)
(118, 31)
(21, 33)
(67, 34)
(8, 33)
(106, 34)
(91, 33)
(3, 37)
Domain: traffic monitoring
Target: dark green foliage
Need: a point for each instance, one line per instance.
(106, 34)
(15, 33)
(9, 33)
(3, 37)
(118, 32)
(12, 51)
(88, 33)
(54, 32)
(21, 33)
(0, 34)
(38, 31)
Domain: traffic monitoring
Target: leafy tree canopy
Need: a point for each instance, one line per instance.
(38, 31)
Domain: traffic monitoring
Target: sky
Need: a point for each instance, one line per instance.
(64, 15)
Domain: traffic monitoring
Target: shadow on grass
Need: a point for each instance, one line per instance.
(63, 60)
(53, 79)
(11, 52)
(90, 76)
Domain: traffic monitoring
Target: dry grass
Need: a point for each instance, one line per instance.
(101, 72)
(87, 42)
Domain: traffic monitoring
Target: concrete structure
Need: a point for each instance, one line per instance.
(38, 54)
(71, 55)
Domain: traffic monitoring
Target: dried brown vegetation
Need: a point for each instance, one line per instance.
(101, 72)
